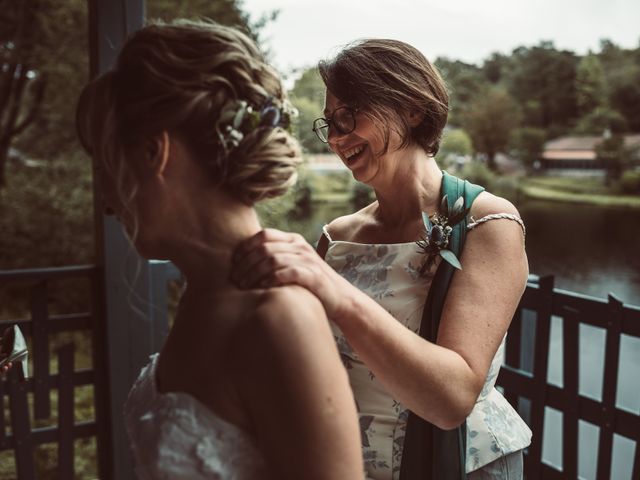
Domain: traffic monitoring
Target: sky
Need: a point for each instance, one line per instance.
(468, 30)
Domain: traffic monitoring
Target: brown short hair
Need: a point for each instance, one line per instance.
(387, 78)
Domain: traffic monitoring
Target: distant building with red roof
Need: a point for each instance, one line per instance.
(579, 152)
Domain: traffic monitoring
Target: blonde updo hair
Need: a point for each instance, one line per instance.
(177, 77)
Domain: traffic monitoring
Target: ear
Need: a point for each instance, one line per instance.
(157, 152)
(415, 118)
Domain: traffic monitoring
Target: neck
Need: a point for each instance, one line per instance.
(413, 188)
(203, 248)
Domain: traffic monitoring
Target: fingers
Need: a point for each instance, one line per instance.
(263, 272)
(265, 236)
(267, 252)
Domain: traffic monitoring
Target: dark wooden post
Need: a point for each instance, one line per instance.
(570, 375)
(609, 388)
(540, 369)
(123, 309)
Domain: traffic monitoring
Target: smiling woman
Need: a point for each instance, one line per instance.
(422, 342)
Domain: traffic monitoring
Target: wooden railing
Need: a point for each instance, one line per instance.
(35, 393)
(524, 377)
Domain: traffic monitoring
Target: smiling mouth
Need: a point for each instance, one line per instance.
(354, 153)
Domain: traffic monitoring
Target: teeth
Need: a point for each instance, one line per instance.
(354, 151)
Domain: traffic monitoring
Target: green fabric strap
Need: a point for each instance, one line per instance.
(430, 453)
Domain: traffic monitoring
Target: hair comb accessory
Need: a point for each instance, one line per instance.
(238, 118)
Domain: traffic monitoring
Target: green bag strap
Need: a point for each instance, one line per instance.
(430, 453)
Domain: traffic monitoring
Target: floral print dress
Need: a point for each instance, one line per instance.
(389, 273)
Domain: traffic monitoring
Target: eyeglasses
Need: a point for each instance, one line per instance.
(343, 120)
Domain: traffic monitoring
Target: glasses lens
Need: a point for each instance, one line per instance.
(321, 127)
(344, 120)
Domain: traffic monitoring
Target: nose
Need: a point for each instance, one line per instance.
(333, 137)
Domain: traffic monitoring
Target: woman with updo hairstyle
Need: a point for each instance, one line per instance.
(420, 285)
(187, 132)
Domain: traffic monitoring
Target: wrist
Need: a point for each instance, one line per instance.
(347, 312)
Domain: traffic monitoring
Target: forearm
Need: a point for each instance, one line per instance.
(434, 382)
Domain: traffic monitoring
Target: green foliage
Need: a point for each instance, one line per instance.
(527, 144)
(465, 83)
(307, 95)
(496, 67)
(56, 45)
(601, 119)
(490, 120)
(624, 94)
(308, 112)
(630, 182)
(46, 214)
(542, 80)
(590, 87)
(226, 12)
(478, 173)
(309, 85)
(455, 142)
(613, 154)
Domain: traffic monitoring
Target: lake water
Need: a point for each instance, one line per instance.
(589, 250)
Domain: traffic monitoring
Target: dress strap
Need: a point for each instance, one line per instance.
(495, 216)
(326, 233)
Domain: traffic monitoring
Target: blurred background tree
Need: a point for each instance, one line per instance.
(490, 119)
(46, 212)
(307, 95)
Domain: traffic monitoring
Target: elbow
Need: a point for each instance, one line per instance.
(452, 421)
(460, 409)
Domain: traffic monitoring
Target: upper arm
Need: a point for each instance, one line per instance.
(297, 392)
(484, 295)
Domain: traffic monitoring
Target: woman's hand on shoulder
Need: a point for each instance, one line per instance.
(274, 258)
(295, 389)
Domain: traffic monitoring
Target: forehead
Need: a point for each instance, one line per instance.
(331, 102)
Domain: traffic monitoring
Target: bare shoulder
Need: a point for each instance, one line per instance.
(288, 305)
(498, 236)
(487, 204)
(284, 322)
(343, 228)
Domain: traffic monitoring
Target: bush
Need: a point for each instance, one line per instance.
(46, 214)
(478, 173)
(630, 182)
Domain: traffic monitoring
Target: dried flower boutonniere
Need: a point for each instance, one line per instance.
(438, 230)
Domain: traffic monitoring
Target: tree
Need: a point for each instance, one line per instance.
(465, 82)
(491, 118)
(226, 12)
(527, 145)
(590, 88)
(624, 94)
(542, 80)
(307, 95)
(309, 85)
(308, 111)
(601, 119)
(54, 45)
(455, 143)
(21, 87)
(611, 152)
(495, 67)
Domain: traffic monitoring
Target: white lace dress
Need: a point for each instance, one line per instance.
(174, 436)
